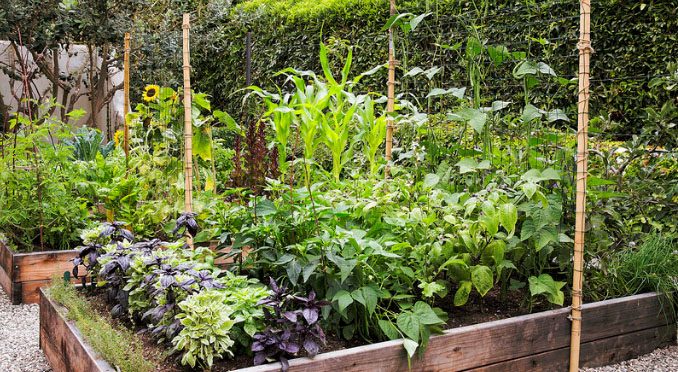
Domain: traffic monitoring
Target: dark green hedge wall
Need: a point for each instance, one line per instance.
(633, 42)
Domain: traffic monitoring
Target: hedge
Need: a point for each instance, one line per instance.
(633, 42)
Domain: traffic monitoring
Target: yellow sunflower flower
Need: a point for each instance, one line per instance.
(151, 93)
(118, 137)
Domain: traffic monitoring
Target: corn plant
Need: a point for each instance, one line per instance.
(372, 132)
(335, 128)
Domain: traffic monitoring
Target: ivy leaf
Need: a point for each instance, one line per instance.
(473, 47)
(498, 54)
(545, 69)
(467, 165)
(476, 118)
(557, 114)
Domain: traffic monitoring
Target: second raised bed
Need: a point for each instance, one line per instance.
(613, 331)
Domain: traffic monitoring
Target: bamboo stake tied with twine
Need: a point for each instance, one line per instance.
(126, 104)
(390, 105)
(585, 52)
(188, 125)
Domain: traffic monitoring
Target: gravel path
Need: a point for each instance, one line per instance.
(660, 360)
(19, 334)
(20, 352)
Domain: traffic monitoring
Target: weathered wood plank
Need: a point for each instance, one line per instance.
(5, 282)
(30, 291)
(492, 342)
(617, 330)
(6, 257)
(53, 356)
(77, 356)
(221, 260)
(42, 265)
(596, 353)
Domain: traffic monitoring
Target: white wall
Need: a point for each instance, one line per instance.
(71, 62)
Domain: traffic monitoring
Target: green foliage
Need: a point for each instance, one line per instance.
(120, 347)
(650, 266)
(207, 321)
(289, 24)
(38, 205)
(87, 143)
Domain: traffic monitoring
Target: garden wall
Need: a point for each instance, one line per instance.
(613, 331)
(72, 60)
(23, 274)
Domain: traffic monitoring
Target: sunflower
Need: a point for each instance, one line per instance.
(151, 93)
(118, 137)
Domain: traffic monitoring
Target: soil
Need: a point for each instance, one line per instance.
(476, 310)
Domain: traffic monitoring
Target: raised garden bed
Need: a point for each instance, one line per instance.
(22, 274)
(63, 344)
(613, 331)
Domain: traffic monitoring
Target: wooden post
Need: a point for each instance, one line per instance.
(188, 124)
(390, 106)
(585, 51)
(126, 107)
(248, 59)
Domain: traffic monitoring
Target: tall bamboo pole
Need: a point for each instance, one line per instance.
(390, 106)
(126, 93)
(188, 125)
(585, 51)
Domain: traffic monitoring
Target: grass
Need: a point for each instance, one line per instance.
(652, 266)
(119, 347)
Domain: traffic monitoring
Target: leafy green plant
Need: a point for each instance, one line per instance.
(87, 143)
(206, 321)
(372, 132)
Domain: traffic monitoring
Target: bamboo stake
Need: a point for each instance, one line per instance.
(126, 107)
(585, 51)
(188, 125)
(390, 106)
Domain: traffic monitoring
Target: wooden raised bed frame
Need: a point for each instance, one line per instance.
(613, 331)
(22, 274)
